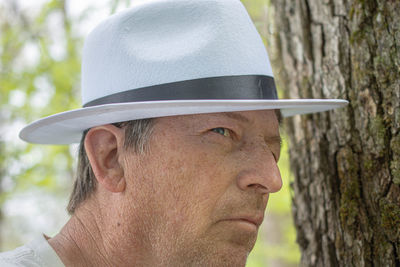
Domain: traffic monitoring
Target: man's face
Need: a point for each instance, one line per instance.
(198, 195)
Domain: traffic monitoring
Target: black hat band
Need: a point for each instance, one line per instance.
(215, 88)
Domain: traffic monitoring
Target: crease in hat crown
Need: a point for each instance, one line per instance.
(164, 41)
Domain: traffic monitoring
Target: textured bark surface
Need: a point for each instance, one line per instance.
(346, 163)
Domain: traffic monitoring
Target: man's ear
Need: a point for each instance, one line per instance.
(104, 145)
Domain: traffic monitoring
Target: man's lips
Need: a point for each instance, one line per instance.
(256, 220)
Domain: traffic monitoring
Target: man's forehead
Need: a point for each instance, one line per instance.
(261, 116)
(263, 119)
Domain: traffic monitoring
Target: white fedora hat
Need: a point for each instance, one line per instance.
(171, 57)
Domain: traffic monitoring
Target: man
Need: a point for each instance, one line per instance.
(180, 141)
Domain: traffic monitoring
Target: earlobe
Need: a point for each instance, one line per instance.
(104, 145)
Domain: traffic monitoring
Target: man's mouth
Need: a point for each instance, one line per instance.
(250, 221)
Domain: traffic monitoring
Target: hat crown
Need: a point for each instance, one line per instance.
(165, 41)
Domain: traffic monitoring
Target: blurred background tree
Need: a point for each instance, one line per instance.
(347, 162)
(40, 55)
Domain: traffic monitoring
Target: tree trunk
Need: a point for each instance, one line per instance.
(346, 163)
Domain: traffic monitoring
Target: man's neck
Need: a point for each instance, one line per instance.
(96, 239)
(79, 244)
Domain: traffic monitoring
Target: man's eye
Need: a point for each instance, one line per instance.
(222, 131)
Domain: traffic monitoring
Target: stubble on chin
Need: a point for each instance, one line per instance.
(214, 256)
(215, 252)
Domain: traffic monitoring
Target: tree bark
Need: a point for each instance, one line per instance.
(346, 203)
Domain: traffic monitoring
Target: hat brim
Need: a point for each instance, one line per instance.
(67, 127)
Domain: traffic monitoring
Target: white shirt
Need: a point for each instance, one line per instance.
(37, 253)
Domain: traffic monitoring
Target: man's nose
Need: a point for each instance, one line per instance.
(260, 172)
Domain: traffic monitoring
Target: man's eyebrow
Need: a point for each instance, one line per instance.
(236, 116)
(240, 117)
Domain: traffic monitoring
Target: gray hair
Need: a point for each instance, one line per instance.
(137, 135)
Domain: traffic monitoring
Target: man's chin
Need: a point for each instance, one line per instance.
(217, 252)
(236, 254)
(230, 258)
(236, 236)
(221, 257)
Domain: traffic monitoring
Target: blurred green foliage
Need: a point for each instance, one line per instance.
(40, 76)
(35, 81)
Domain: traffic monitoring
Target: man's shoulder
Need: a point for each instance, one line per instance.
(21, 256)
(37, 253)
